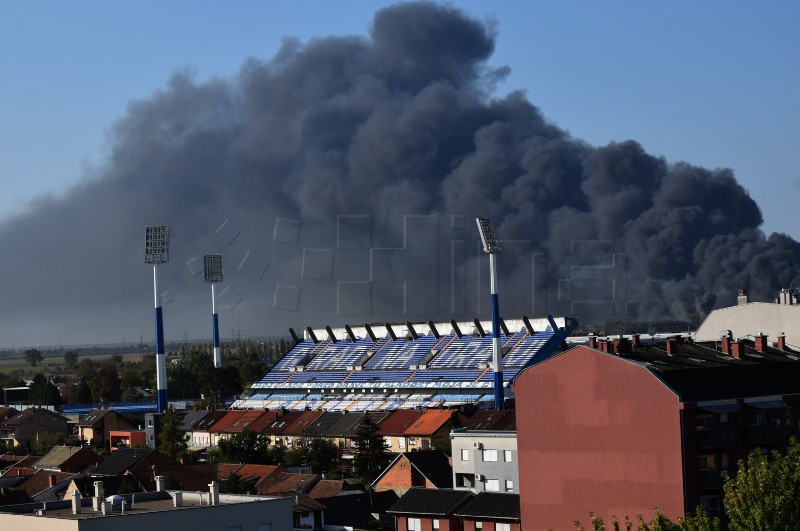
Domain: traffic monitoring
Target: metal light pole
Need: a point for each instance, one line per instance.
(212, 273)
(491, 246)
(156, 251)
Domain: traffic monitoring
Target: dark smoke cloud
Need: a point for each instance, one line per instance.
(403, 123)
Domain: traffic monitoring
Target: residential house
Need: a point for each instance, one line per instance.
(296, 430)
(433, 424)
(491, 511)
(422, 509)
(633, 425)
(94, 427)
(68, 459)
(197, 425)
(425, 468)
(491, 420)
(485, 460)
(126, 439)
(275, 429)
(143, 464)
(393, 429)
(26, 426)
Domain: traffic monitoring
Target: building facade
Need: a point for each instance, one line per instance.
(485, 461)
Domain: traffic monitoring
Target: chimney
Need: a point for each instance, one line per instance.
(782, 341)
(737, 349)
(672, 346)
(76, 502)
(214, 492)
(604, 345)
(743, 297)
(761, 342)
(622, 346)
(160, 483)
(636, 340)
(592, 341)
(99, 495)
(51, 480)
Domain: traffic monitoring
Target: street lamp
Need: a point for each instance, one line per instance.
(492, 247)
(156, 251)
(212, 273)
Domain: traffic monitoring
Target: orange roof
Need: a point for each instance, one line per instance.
(430, 422)
(304, 421)
(244, 422)
(266, 418)
(400, 420)
(230, 417)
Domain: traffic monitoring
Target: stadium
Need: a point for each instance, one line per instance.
(403, 366)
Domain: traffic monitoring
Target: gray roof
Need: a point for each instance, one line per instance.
(492, 506)
(432, 502)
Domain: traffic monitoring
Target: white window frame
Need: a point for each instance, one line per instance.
(489, 456)
(464, 454)
(492, 485)
(509, 485)
(507, 456)
(413, 524)
(502, 526)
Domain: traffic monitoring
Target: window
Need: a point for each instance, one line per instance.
(705, 422)
(509, 485)
(507, 456)
(414, 524)
(401, 442)
(478, 526)
(435, 525)
(490, 455)
(502, 527)
(464, 454)
(492, 485)
(264, 527)
(710, 504)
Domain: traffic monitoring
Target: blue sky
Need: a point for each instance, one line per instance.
(713, 83)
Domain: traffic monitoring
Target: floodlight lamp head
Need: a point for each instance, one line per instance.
(156, 244)
(490, 243)
(212, 268)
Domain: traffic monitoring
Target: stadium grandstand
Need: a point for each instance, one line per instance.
(402, 366)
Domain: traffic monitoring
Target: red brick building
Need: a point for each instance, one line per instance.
(429, 510)
(628, 427)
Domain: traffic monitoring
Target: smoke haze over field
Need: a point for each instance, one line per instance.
(340, 180)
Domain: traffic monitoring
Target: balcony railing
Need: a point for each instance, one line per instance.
(718, 438)
(767, 434)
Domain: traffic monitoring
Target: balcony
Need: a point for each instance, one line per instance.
(709, 479)
(718, 438)
(767, 434)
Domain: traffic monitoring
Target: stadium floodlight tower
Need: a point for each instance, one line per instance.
(491, 246)
(156, 251)
(212, 273)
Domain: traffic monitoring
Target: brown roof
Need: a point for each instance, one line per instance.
(208, 420)
(259, 472)
(223, 424)
(491, 419)
(245, 421)
(304, 421)
(41, 481)
(279, 425)
(75, 457)
(30, 414)
(264, 420)
(430, 422)
(326, 488)
(399, 421)
(291, 483)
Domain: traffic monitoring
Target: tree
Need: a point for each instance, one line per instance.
(763, 495)
(235, 484)
(43, 393)
(217, 385)
(371, 454)
(71, 359)
(700, 522)
(245, 447)
(322, 455)
(172, 439)
(45, 441)
(33, 356)
(105, 385)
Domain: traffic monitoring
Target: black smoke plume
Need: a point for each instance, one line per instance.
(340, 180)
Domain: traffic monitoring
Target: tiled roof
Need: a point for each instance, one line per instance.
(231, 417)
(56, 457)
(322, 424)
(489, 419)
(209, 420)
(291, 483)
(434, 465)
(93, 417)
(41, 481)
(326, 488)
(121, 460)
(430, 422)
(265, 419)
(279, 425)
(343, 424)
(492, 506)
(378, 417)
(30, 414)
(433, 502)
(399, 421)
(298, 427)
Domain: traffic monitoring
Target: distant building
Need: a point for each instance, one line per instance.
(27, 425)
(94, 427)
